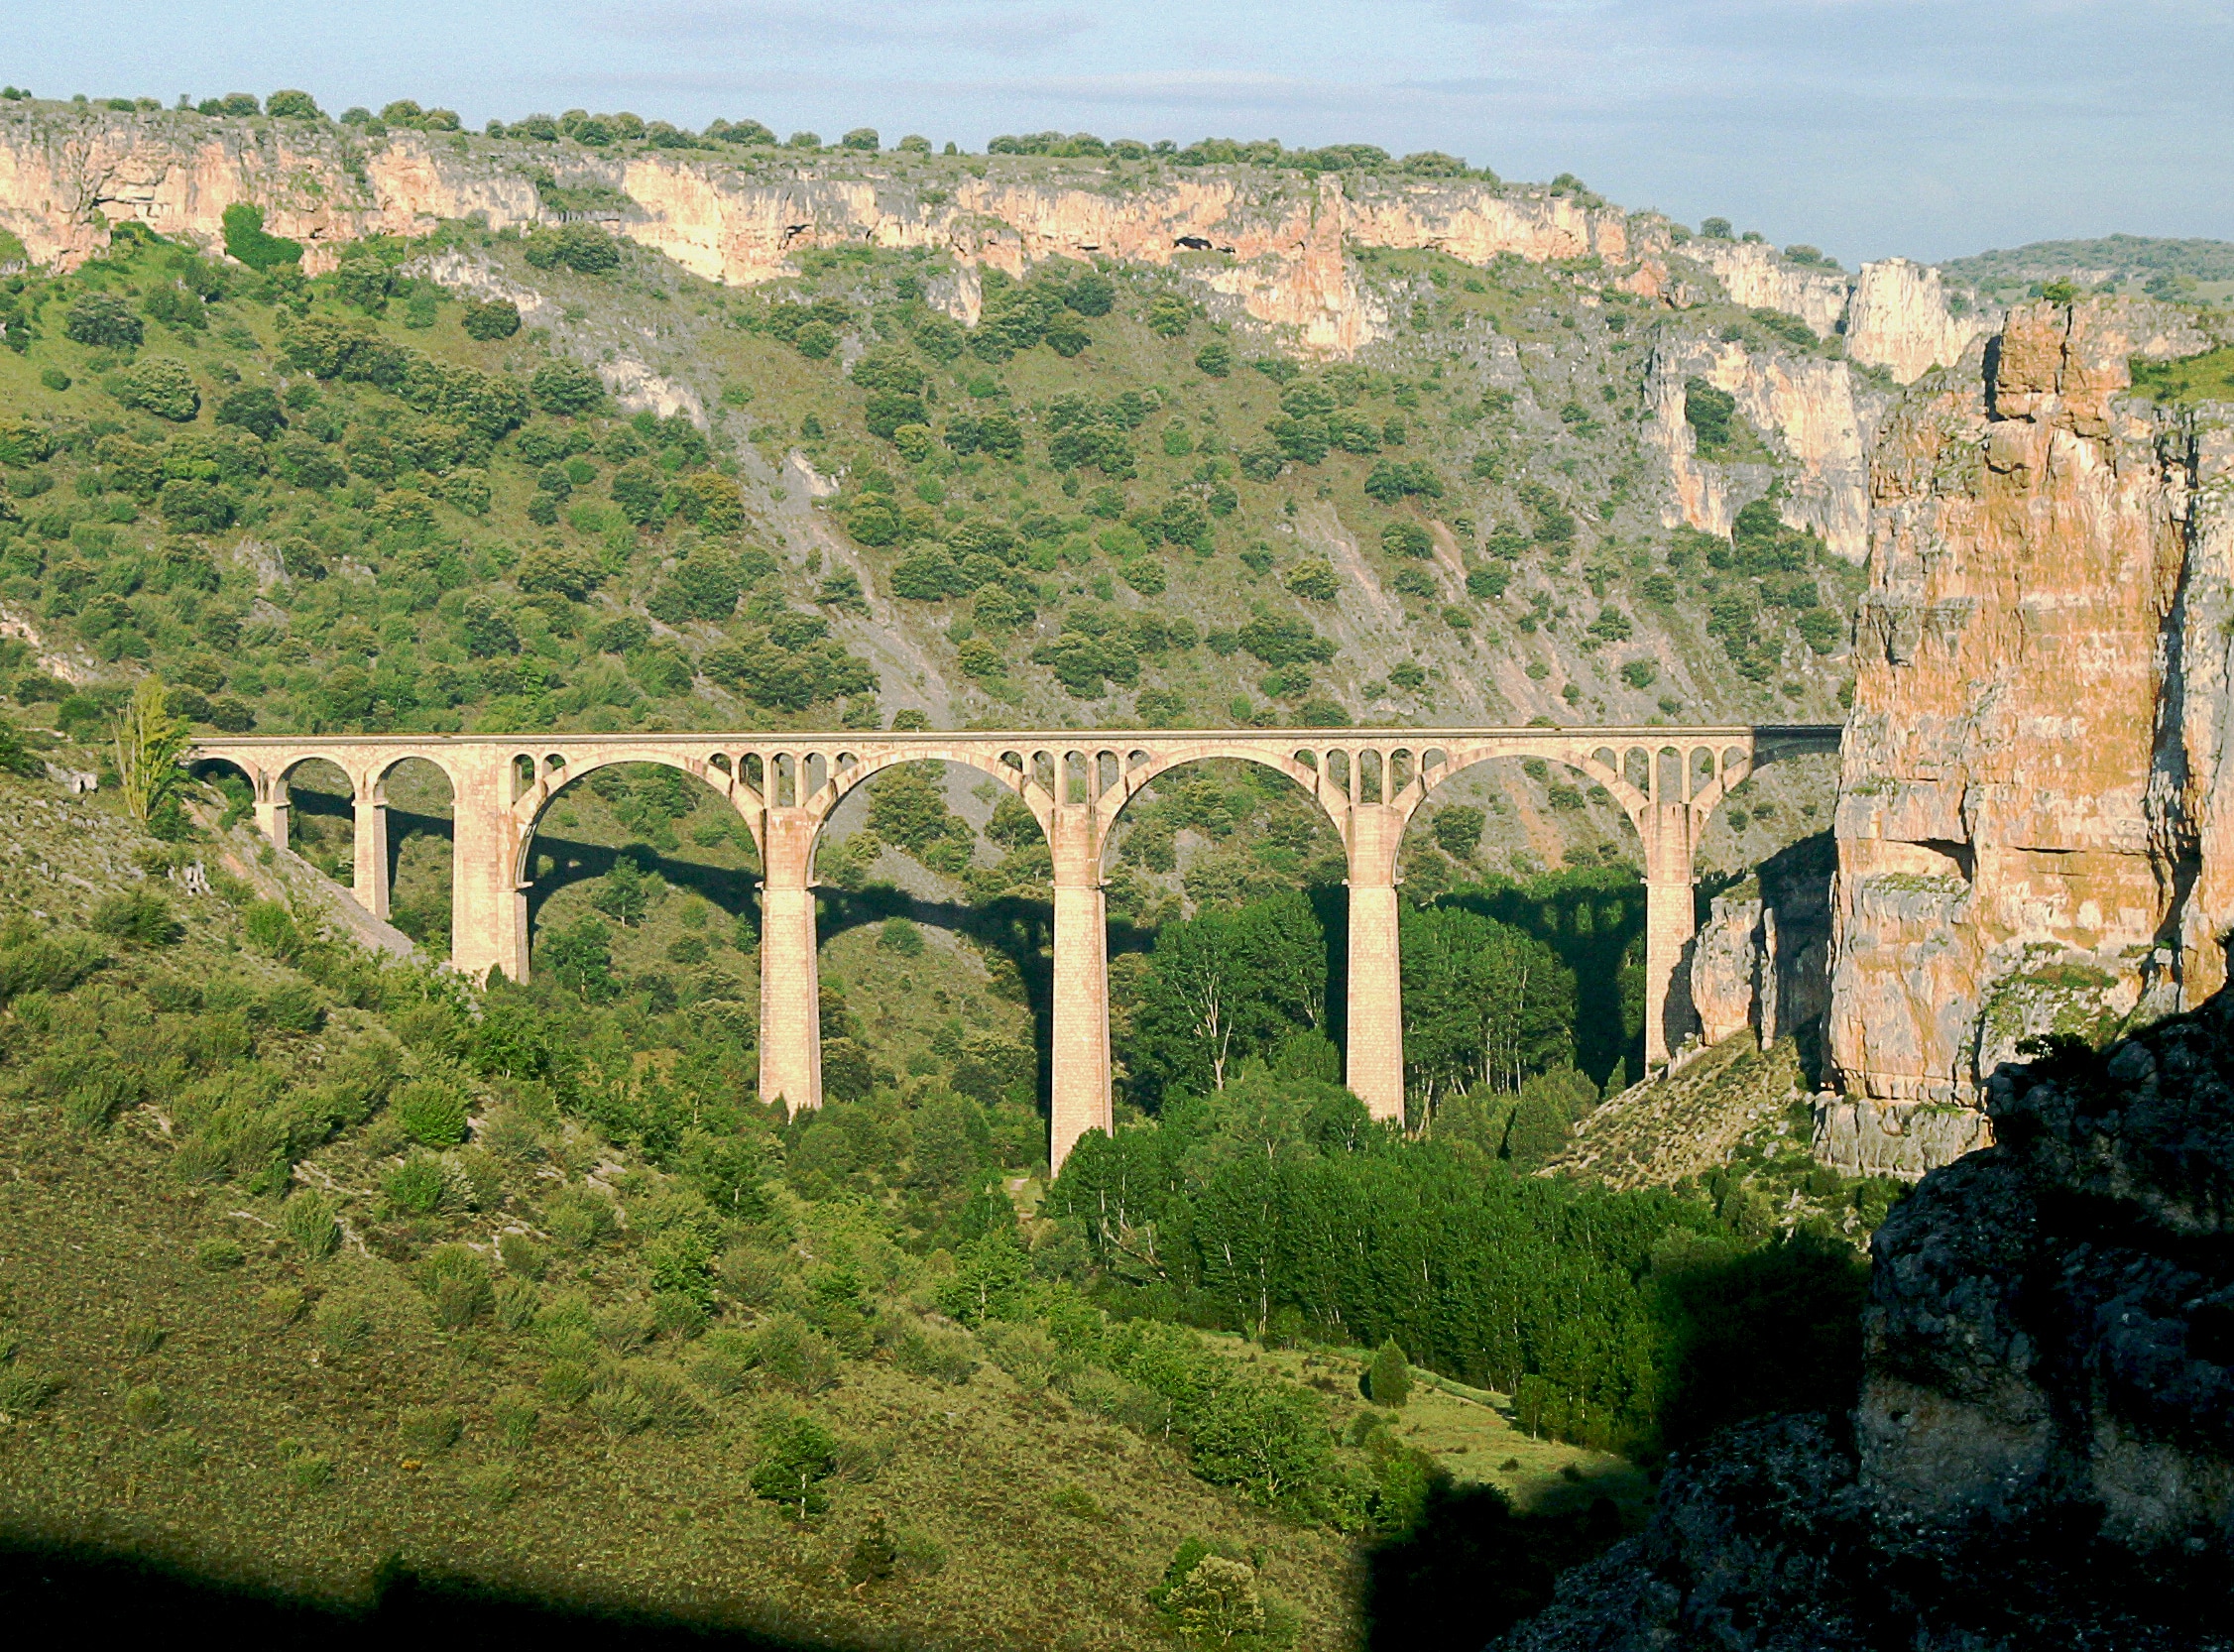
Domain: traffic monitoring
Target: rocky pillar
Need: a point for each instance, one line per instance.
(370, 883)
(1376, 990)
(791, 982)
(272, 811)
(1080, 1081)
(1667, 831)
(487, 903)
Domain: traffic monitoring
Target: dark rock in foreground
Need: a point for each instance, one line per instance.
(2043, 1451)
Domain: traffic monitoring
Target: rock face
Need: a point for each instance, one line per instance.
(2042, 1453)
(1760, 963)
(1813, 410)
(2032, 785)
(1275, 242)
(1755, 277)
(1899, 318)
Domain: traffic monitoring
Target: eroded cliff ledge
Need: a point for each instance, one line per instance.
(2034, 774)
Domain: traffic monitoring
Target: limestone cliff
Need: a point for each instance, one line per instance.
(1900, 318)
(2033, 772)
(1812, 411)
(1755, 276)
(2042, 1449)
(1273, 241)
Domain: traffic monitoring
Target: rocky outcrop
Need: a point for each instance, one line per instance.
(2031, 773)
(1900, 318)
(1760, 960)
(2042, 1449)
(1812, 411)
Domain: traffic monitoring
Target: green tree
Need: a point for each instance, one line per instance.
(255, 410)
(861, 137)
(160, 386)
(1170, 315)
(103, 321)
(148, 743)
(627, 893)
(289, 104)
(797, 1453)
(490, 319)
(1458, 828)
(1709, 412)
(1389, 1379)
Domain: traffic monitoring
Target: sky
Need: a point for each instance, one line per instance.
(1929, 128)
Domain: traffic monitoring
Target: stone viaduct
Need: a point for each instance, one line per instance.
(1369, 782)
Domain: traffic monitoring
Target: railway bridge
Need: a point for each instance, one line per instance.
(1369, 782)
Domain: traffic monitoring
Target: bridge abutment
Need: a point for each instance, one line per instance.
(1375, 1070)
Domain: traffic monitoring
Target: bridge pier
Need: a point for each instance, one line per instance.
(369, 881)
(1667, 830)
(1079, 1079)
(271, 814)
(791, 974)
(1375, 1069)
(488, 899)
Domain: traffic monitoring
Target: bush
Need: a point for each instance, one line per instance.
(136, 917)
(342, 1327)
(160, 386)
(1389, 1379)
(195, 506)
(456, 1281)
(566, 388)
(797, 1455)
(494, 319)
(792, 1353)
(146, 1406)
(309, 1218)
(416, 1186)
(103, 321)
(1169, 315)
(219, 1256)
(429, 1430)
(432, 1113)
(254, 410)
(949, 1356)
(245, 235)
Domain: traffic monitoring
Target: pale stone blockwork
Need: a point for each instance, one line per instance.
(1370, 782)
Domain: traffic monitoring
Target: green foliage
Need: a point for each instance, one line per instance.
(432, 1113)
(1709, 412)
(582, 248)
(247, 240)
(1389, 1379)
(136, 917)
(797, 1455)
(103, 321)
(162, 386)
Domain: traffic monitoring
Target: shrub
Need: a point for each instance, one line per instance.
(254, 410)
(949, 1356)
(494, 1485)
(517, 1416)
(136, 917)
(579, 1219)
(309, 1218)
(103, 321)
(429, 1430)
(489, 321)
(24, 1391)
(247, 240)
(566, 388)
(792, 1353)
(1389, 1379)
(432, 1113)
(797, 1455)
(219, 1256)
(1169, 315)
(146, 1406)
(342, 1325)
(416, 1186)
(456, 1281)
(191, 505)
(281, 1306)
(160, 386)
(1315, 581)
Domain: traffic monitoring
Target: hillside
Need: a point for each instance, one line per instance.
(317, 1269)
(2158, 265)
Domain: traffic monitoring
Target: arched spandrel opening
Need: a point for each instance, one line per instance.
(421, 847)
(643, 878)
(1209, 845)
(322, 815)
(933, 936)
(1539, 845)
